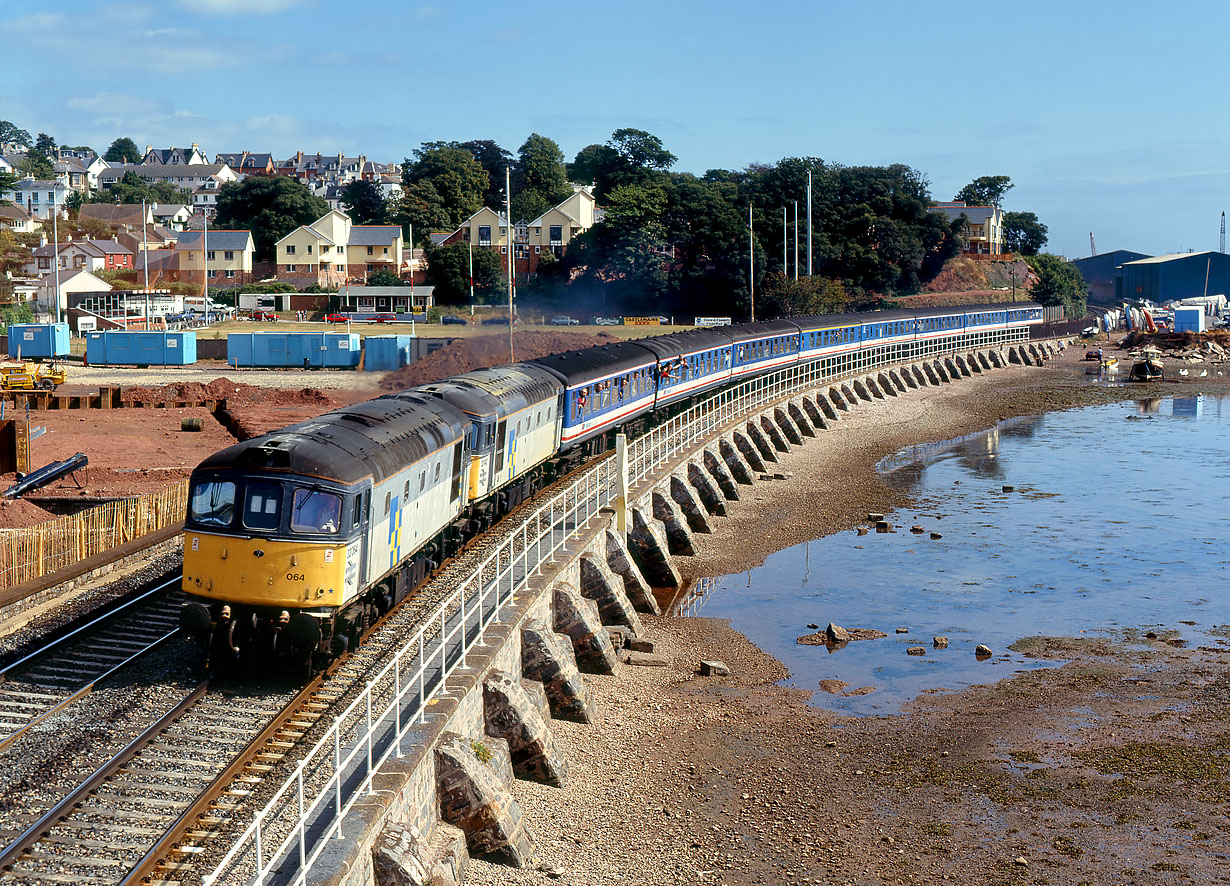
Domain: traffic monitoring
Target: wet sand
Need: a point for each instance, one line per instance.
(1110, 769)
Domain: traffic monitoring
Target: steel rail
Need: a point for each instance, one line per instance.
(14, 850)
(85, 627)
(84, 690)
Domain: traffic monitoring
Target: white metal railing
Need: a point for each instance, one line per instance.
(296, 825)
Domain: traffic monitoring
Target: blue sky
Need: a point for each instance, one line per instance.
(1107, 116)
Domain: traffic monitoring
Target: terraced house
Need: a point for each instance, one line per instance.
(332, 251)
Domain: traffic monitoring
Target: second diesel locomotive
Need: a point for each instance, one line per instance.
(312, 532)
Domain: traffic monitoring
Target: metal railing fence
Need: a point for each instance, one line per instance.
(287, 836)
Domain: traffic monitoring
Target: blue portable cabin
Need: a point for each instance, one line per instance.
(384, 353)
(28, 341)
(603, 387)
(140, 348)
(690, 362)
(764, 346)
(303, 350)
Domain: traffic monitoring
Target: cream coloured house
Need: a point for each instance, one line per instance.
(227, 255)
(332, 250)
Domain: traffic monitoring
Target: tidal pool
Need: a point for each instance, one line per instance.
(1118, 519)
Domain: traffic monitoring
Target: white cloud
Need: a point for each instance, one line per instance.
(238, 7)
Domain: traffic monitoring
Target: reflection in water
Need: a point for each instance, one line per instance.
(1063, 555)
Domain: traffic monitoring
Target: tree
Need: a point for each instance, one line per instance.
(494, 160)
(74, 201)
(11, 135)
(640, 150)
(93, 228)
(630, 156)
(364, 202)
(385, 277)
(123, 150)
(270, 206)
(458, 179)
(422, 209)
(541, 180)
(986, 190)
(1023, 233)
(591, 163)
(37, 166)
(448, 269)
(1059, 283)
(7, 180)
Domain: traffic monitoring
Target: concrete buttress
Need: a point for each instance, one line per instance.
(473, 798)
(747, 452)
(604, 587)
(511, 714)
(762, 444)
(773, 435)
(678, 533)
(787, 426)
(578, 620)
(715, 466)
(734, 462)
(685, 497)
(619, 558)
(650, 552)
(547, 657)
(710, 497)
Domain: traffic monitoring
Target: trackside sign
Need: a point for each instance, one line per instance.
(712, 321)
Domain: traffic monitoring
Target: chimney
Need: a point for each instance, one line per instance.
(149, 148)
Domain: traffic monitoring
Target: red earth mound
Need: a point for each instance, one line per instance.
(235, 393)
(465, 354)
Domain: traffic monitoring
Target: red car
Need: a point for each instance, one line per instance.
(383, 318)
(266, 316)
(336, 318)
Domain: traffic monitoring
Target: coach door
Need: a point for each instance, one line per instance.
(501, 441)
(457, 462)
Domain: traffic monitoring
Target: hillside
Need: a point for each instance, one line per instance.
(964, 281)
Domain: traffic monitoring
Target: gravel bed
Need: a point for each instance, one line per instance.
(326, 379)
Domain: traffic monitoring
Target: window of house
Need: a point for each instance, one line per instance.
(290, 250)
(556, 233)
(370, 251)
(229, 255)
(484, 234)
(339, 249)
(503, 250)
(230, 275)
(386, 250)
(290, 269)
(309, 249)
(537, 249)
(210, 255)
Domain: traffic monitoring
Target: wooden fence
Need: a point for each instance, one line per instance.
(34, 551)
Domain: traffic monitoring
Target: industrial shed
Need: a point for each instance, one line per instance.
(1101, 272)
(1166, 277)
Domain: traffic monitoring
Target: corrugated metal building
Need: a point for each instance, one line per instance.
(1166, 277)
(1102, 270)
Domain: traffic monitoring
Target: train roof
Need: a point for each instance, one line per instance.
(762, 329)
(498, 391)
(586, 365)
(375, 438)
(837, 321)
(688, 342)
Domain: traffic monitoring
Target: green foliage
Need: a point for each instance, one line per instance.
(74, 201)
(494, 160)
(541, 180)
(132, 188)
(123, 150)
(457, 178)
(481, 751)
(11, 134)
(1059, 283)
(364, 202)
(38, 166)
(265, 288)
(385, 277)
(986, 190)
(783, 296)
(1023, 233)
(16, 313)
(44, 145)
(316, 287)
(630, 156)
(7, 180)
(421, 208)
(448, 269)
(270, 206)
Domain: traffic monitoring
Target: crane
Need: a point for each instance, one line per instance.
(1093, 250)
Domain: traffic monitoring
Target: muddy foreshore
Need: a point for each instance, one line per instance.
(1112, 769)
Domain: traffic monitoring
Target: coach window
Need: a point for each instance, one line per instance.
(263, 506)
(213, 502)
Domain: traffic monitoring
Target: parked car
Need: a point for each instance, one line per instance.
(606, 321)
(264, 316)
(495, 321)
(336, 318)
(454, 320)
(383, 318)
(562, 320)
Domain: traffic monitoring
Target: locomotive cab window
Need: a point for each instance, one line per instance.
(315, 511)
(213, 502)
(262, 507)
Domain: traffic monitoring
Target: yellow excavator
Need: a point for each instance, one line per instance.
(32, 376)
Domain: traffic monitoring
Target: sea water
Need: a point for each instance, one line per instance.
(1117, 521)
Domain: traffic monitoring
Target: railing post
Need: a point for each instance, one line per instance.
(337, 776)
(368, 695)
(302, 824)
(397, 695)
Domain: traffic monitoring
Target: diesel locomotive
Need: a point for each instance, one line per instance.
(308, 534)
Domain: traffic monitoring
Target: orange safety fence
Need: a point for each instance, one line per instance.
(31, 552)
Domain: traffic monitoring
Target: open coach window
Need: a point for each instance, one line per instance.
(315, 511)
(213, 502)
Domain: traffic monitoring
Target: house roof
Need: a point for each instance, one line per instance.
(120, 213)
(373, 235)
(165, 210)
(315, 233)
(230, 240)
(67, 275)
(95, 248)
(244, 160)
(14, 212)
(154, 170)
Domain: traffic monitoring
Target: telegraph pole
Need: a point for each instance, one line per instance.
(751, 261)
(509, 229)
(809, 223)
